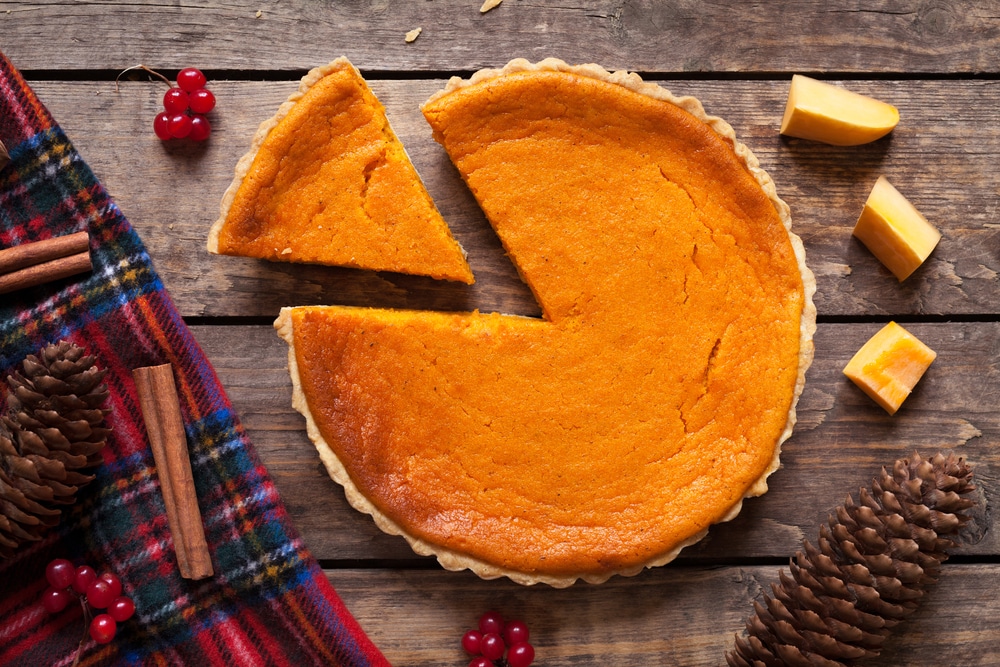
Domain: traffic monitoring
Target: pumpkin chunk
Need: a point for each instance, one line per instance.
(833, 115)
(895, 231)
(889, 365)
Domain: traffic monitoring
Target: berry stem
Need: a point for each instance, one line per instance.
(145, 69)
(86, 629)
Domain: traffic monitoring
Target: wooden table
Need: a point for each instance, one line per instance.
(936, 61)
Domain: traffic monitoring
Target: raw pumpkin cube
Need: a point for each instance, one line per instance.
(895, 231)
(889, 365)
(833, 115)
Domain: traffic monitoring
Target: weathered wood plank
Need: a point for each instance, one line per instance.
(679, 36)
(673, 616)
(841, 440)
(943, 156)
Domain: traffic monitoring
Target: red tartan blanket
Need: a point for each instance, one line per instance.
(268, 603)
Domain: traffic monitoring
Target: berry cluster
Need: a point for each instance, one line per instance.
(94, 591)
(494, 638)
(184, 108)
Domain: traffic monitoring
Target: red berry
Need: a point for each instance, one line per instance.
(179, 125)
(201, 129)
(472, 641)
(99, 595)
(60, 573)
(201, 100)
(85, 576)
(56, 599)
(521, 655)
(161, 126)
(515, 632)
(175, 101)
(191, 78)
(114, 583)
(491, 621)
(492, 646)
(480, 662)
(102, 628)
(121, 608)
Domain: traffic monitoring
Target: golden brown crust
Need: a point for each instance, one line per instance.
(453, 560)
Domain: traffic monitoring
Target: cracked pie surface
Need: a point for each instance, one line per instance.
(326, 181)
(651, 398)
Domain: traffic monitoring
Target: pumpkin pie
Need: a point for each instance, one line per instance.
(650, 399)
(326, 181)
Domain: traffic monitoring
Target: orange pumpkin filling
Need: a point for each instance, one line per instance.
(328, 182)
(652, 397)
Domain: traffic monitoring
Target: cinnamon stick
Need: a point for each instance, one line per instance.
(37, 252)
(162, 414)
(40, 274)
(30, 264)
(4, 156)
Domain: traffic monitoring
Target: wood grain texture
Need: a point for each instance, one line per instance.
(841, 441)
(678, 615)
(933, 59)
(942, 157)
(648, 35)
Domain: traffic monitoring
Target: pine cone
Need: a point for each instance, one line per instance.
(868, 572)
(53, 429)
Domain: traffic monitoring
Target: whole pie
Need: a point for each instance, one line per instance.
(326, 181)
(651, 397)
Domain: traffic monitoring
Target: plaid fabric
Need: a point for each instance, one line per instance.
(268, 603)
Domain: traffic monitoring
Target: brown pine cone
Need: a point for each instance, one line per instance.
(868, 572)
(52, 431)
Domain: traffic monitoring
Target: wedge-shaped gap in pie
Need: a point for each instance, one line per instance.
(327, 181)
(651, 399)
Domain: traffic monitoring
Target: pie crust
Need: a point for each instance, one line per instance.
(350, 409)
(326, 181)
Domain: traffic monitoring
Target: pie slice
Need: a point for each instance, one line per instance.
(327, 181)
(651, 398)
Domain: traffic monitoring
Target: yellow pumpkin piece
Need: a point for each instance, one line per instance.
(895, 231)
(833, 115)
(889, 365)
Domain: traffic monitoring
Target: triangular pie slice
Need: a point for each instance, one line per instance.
(653, 396)
(327, 181)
